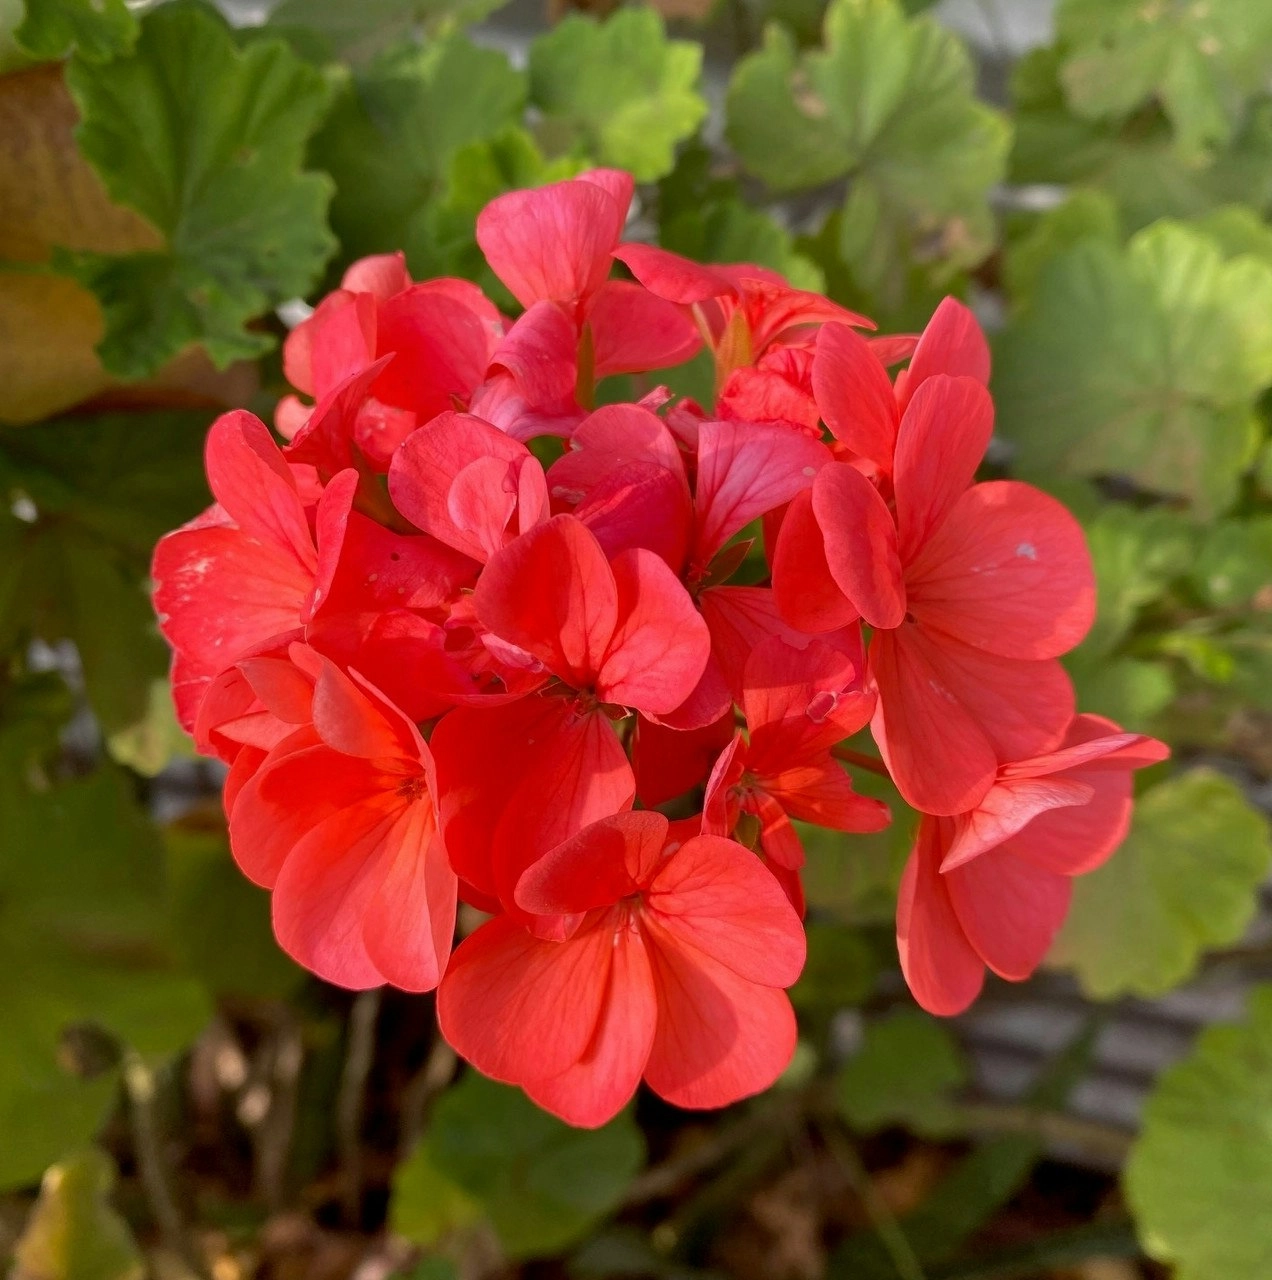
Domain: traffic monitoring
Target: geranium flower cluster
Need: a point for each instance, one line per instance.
(467, 637)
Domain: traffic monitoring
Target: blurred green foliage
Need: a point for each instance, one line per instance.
(1112, 213)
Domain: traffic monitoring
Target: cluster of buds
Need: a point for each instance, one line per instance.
(467, 637)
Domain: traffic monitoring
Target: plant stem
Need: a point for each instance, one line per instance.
(141, 1086)
(861, 760)
(351, 1102)
(1059, 1249)
(1100, 1141)
(891, 1236)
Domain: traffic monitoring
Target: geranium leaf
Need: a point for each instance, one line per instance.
(96, 31)
(1145, 362)
(1185, 879)
(396, 126)
(618, 91)
(489, 1150)
(1201, 61)
(887, 102)
(1137, 161)
(1200, 1176)
(206, 142)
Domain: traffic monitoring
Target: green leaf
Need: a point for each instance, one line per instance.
(1201, 61)
(889, 104)
(1137, 554)
(220, 921)
(903, 1075)
(396, 127)
(73, 1233)
(206, 142)
(1137, 163)
(489, 1149)
(82, 953)
(1145, 363)
(326, 29)
(1085, 215)
(1185, 879)
(618, 91)
(1234, 564)
(97, 492)
(96, 29)
(1129, 691)
(840, 970)
(153, 742)
(440, 239)
(1199, 1178)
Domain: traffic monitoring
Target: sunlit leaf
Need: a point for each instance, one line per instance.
(888, 102)
(1185, 879)
(618, 91)
(1201, 61)
(1199, 1178)
(1144, 363)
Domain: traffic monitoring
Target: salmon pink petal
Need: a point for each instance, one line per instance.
(431, 484)
(943, 437)
(660, 643)
(297, 787)
(325, 887)
(441, 350)
(719, 1037)
(609, 439)
(1009, 910)
(605, 862)
(669, 762)
(337, 341)
(779, 842)
(952, 343)
(708, 701)
(552, 243)
(617, 182)
(220, 594)
(1008, 572)
(720, 805)
(941, 969)
(798, 702)
(552, 593)
(520, 1008)
(745, 470)
(741, 618)
(605, 1077)
(356, 720)
(540, 351)
(1023, 708)
(410, 920)
(854, 394)
(934, 746)
(251, 480)
(1009, 806)
(807, 595)
(325, 438)
(670, 276)
(634, 331)
(582, 765)
(640, 505)
(860, 543)
(714, 897)
(820, 791)
(380, 274)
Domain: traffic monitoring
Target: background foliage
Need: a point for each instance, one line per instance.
(183, 1097)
